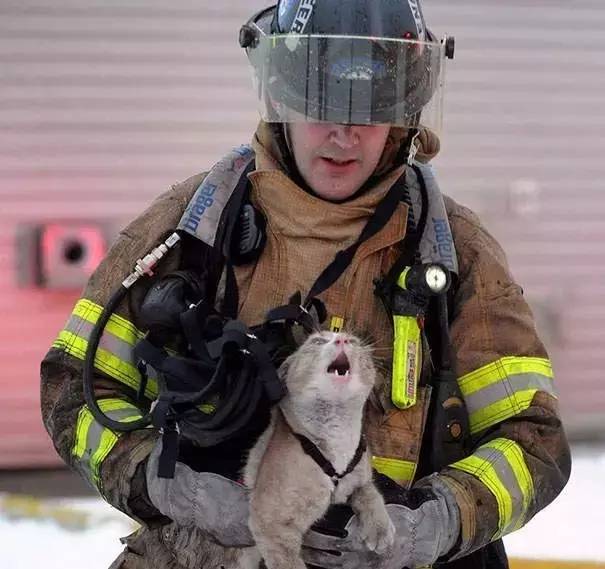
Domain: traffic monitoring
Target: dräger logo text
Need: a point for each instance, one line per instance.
(445, 243)
(203, 200)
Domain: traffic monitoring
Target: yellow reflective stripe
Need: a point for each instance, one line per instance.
(93, 442)
(501, 410)
(118, 326)
(109, 406)
(114, 356)
(500, 465)
(482, 470)
(85, 418)
(106, 362)
(525, 482)
(504, 388)
(107, 442)
(401, 471)
(502, 368)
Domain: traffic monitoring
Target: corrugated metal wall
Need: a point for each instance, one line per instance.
(105, 103)
(524, 145)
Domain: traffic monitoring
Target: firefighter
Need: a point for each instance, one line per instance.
(350, 97)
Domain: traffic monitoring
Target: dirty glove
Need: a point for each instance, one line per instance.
(427, 526)
(213, 503)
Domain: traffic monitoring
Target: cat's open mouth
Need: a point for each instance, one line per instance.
(340, 366)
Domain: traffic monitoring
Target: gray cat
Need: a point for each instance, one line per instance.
(329, 379)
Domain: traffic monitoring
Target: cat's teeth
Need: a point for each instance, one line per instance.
(345, 374)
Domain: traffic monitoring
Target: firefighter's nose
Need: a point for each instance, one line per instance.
(344, 136)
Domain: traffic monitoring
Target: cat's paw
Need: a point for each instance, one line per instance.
(377, 532)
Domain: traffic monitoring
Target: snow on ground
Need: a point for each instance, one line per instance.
(66, 534)
(573, 526)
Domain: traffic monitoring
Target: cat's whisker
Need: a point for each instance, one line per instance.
(387, 350)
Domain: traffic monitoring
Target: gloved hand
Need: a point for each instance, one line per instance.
(213, 503)
(427, 526)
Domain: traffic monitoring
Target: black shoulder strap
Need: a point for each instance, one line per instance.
(414, 233)
(383, 213)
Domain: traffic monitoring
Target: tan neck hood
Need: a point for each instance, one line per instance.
(304, 233)
(292, 212)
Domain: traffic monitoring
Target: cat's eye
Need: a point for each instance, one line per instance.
(318, 340)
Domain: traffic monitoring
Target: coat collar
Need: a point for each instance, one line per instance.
(293, 212)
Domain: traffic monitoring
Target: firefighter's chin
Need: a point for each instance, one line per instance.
(336, 180)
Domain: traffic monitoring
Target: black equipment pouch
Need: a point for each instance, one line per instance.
(168, 299)
(218, 391)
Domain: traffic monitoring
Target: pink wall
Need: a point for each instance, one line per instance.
(104, 104)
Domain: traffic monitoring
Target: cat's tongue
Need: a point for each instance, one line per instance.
(340, 367)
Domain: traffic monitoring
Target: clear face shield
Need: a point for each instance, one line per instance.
(348, 79)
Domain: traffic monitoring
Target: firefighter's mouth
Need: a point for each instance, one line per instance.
(340, 367)
(339, 162)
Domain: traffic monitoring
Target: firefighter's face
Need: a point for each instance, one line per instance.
(336, 160)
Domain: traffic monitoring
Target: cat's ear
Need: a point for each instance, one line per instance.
(299, 335)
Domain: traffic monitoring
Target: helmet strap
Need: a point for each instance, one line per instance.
(408, 150)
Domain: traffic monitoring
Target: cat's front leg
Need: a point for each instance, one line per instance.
(377, 529)
(247, 558)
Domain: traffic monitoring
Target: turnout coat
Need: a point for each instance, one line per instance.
(520, 458)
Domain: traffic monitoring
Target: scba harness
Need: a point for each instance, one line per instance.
(226, 381)
(223, 380)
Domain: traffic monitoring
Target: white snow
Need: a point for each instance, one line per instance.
(573, 526)
(67, 534)
(46, 542)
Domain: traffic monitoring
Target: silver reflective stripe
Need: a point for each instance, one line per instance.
(109, 342)
(93, 441)
(121, 349)
(205, 211)
(96, 431)
(437, 244)
(501, 466)
(507, 477)
(506, 388)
